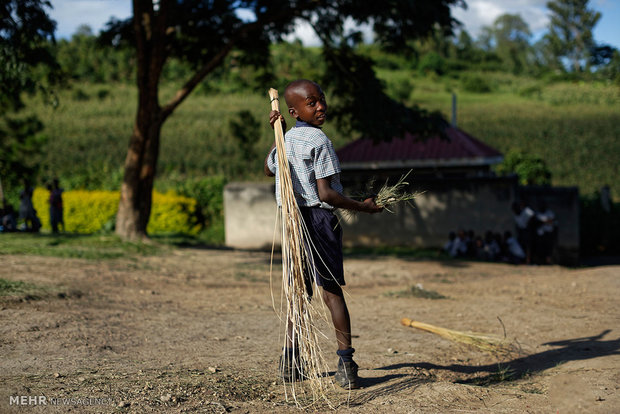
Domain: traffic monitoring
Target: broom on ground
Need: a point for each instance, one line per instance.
(483, 342)
(297, 257)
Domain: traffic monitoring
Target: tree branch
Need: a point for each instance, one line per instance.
(189, 86)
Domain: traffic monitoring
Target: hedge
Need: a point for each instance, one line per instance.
(89, 211)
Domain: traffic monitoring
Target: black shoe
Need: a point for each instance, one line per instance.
(290, 369)
(346, 376)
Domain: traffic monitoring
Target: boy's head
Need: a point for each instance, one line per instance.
(306, 102)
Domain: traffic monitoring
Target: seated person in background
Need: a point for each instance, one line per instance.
(479, 252)
(515, 253)
(491, 247)
(459, 247)
(8, 221)
(448, 246)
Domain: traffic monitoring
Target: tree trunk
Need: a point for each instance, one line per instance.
(134, 207)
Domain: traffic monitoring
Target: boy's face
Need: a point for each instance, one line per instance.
(307, 103)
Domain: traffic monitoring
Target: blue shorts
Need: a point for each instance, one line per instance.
(326, 235)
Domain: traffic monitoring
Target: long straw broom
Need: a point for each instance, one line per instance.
(483, 342)
(297, 257)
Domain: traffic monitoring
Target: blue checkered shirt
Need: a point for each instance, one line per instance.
(311, 156)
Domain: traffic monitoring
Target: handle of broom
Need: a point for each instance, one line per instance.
(275, 102)
(275, 106)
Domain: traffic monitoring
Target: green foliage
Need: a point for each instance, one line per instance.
(80, 95)
(21, 144)
(400, 88)
(571, 125)
(25, 32)
(368, 109)
(475, 84)
(432, 62)
(208, 193)
(245, 128)
(511, 38)
(531, 169)
(83, 57)
(570, 30)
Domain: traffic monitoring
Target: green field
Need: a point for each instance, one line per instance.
(574, 127)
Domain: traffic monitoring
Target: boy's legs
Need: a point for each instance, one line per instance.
(346, 374)
(333, 297)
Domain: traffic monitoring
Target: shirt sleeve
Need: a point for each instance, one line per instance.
(325, 160)
(272, 161)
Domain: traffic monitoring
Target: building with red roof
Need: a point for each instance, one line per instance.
(456, 154)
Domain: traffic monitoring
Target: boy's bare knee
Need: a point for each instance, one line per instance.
(333, 296)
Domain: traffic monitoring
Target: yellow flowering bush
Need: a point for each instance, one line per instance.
(172, 213)
(88, 211)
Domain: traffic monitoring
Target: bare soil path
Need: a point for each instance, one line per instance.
(194, 331)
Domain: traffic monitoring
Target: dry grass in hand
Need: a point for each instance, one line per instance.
(389, 195)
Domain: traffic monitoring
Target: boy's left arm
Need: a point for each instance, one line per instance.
(330, 196)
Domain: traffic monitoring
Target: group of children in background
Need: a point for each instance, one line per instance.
(26, 218)
(532, 244)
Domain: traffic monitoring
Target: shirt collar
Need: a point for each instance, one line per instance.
(301, 123)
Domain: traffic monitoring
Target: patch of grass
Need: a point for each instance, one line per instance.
(11, 290)
(504, 373)
(416, 291)
(211, 237)
(16, 287)
(93, 247)
(533, 389)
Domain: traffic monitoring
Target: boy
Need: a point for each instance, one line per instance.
(315, 173)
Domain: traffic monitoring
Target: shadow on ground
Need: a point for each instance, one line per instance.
(569, 350)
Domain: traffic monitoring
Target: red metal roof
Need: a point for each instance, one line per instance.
(460, 149)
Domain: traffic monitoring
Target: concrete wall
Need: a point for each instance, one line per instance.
(448, 204)
(250, 215)
(445, 205)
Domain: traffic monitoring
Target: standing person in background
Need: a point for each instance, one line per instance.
(545, 232)
(56, 210)
(26, 209)
(525, 231)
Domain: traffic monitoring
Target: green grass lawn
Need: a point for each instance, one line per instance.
(94, 247)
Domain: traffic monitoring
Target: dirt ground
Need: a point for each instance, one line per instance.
(193, 330)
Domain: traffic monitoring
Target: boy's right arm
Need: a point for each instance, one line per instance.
(328, 195)
(268, 172)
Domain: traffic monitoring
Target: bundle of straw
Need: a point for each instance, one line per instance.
(389, 195)
(483, 342)
(297, 257)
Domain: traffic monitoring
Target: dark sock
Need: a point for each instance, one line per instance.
(290, 353)
(346, 355)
